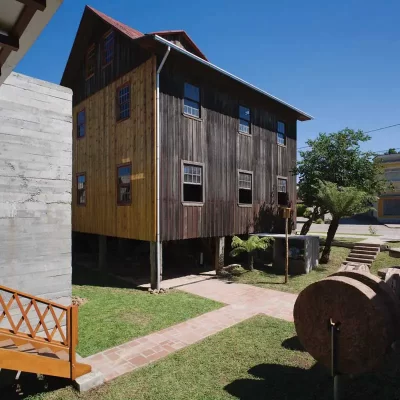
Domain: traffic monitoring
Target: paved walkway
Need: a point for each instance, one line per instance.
(243, 302)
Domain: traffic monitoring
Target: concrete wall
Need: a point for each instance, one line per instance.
(35, 187)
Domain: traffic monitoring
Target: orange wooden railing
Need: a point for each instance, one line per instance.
(25, 307)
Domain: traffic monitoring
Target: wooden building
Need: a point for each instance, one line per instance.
(166, 145)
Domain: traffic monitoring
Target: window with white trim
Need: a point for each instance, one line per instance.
(281, 133)
(244, 120)
(191, 102)
(245, 188)
(283, 198)
(192, 183)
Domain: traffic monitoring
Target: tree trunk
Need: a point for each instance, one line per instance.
(307, 225)
(251, 262)
(329, 239)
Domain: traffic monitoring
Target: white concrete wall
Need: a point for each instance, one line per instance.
(35, 187)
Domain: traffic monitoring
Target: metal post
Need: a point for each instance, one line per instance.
(334, 329)
(287, 251)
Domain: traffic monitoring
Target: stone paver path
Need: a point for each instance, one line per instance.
(243, 302)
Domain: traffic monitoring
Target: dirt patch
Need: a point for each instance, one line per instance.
(78, 301)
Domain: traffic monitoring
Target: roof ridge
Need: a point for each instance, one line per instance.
(126, 29)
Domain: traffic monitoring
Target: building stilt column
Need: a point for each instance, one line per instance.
(102, 260)
(219, 253)
(155, 264)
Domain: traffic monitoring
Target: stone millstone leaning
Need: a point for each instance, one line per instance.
(366, 310)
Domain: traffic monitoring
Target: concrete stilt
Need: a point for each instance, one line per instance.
(155, 265)
(219, 250)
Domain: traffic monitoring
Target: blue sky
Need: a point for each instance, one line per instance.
(338, 61)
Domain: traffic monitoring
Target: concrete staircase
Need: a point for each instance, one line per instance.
(363, 253)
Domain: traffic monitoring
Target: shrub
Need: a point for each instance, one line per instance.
(319, 221)
(301, 208)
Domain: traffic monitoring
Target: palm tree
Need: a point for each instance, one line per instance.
(249, 246)
(340, 202)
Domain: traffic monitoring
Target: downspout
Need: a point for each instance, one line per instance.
(158, 169)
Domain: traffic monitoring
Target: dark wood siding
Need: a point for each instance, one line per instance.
(127, 56)
(214, 140)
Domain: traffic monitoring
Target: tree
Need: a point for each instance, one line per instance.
(337, 158)
(340, 202)
(391, 151)
(249, 246)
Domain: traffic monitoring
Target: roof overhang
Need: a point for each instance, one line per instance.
(301, 115)
(21, 22)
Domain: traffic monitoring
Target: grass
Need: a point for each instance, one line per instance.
(273, 279)
(117, 313)
(384, 261)
(256, 359)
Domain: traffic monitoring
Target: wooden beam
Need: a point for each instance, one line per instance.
(9, 41)
(39, 5)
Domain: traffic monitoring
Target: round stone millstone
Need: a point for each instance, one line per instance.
(383, 290)
(366, 329)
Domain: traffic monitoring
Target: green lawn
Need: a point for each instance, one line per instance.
(272, 279)
(257, 359)
(116, 313)
(384, 261)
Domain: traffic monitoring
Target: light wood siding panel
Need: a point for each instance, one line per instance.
(215, 141)
(109, 143)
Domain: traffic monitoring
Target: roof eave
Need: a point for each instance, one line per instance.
(301, 115)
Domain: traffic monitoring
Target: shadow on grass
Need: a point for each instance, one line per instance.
(293, 343)
(31, 384)
(279, 382)
(85, 276)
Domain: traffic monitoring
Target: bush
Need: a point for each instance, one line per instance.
(319, 221)
(301, 208)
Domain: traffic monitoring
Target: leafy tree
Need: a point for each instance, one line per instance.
(338, 158)
(391, 151)
(249, 246)
(340, 202)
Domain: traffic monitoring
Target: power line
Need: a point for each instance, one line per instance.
(373, 130)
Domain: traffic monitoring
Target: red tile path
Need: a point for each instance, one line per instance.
(243, 302)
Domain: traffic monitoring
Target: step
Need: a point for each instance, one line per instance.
(369, 245)
(369, 248)
(362, 255)
(365, 251)
(359, 260)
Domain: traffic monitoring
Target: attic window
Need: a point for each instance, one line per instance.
(281, 133)
(191, 102)
(90, 61)
(108, 48)
(244, 120)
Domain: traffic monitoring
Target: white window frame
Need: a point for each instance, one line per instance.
(194, 164)
(281, 133)
(243, 171)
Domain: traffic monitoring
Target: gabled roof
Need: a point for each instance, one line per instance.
(165, 34)
(149, 42)
(125, 29)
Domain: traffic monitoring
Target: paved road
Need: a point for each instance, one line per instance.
(355, 229)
